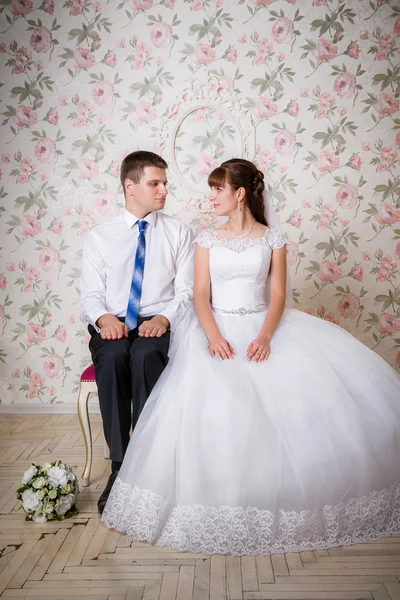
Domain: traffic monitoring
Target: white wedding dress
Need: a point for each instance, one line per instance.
(296, 453)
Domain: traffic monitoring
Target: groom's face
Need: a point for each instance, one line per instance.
(149, 194)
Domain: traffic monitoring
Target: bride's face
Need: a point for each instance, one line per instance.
(224, 199)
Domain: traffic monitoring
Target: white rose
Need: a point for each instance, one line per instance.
(52, 494)
(41, 493)
(48, 507)
(30, 500)
(38, 483)
(71, 476)
(57, 476)
(29, 474)
(65, 503)
(39, 516)
(46, 466)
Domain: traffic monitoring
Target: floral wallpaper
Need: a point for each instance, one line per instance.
(84, 82)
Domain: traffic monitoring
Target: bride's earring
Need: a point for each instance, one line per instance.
(239, 205)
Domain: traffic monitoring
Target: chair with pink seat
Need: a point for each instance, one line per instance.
(87, 387)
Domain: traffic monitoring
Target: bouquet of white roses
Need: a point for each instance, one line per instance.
(48, 492)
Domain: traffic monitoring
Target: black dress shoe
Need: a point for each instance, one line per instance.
(106, 492)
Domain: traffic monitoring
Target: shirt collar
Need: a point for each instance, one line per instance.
(151, 218)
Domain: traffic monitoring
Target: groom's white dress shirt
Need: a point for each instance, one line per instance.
(107, 267)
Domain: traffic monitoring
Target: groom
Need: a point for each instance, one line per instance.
(137, 280)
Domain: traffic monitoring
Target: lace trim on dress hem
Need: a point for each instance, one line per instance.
(247, 530)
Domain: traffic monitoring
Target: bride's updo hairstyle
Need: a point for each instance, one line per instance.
(238, 173)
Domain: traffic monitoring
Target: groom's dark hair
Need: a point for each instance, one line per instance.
(134, 164)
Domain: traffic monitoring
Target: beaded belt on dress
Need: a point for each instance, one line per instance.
(240, 311)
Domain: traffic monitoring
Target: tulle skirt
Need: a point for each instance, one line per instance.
(299, 452)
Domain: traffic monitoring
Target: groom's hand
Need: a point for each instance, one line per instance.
(112, 328)
(155, 327)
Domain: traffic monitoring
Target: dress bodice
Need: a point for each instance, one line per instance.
(239, 269)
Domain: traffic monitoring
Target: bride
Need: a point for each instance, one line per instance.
(270, 430)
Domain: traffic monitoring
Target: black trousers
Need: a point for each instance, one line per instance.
(126, 372)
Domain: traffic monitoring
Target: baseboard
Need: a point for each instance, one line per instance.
(54, 409)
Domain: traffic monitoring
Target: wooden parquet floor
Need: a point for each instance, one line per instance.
(79, 558)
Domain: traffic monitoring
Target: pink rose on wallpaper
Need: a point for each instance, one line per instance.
(357, 272)
(387, 104)
(388, 323)
(292, 253)
(265, 108)
(3, 282)
(111, 59)
(103, 93)
(114, 169)
(84, 59)
(329, 316)
(61, 334)
(295, 219)
(347, 195)
(282, 30)
(35, 334)
(232, 54)
(285, 142)
(56, 226)
(142, 4)
(355, 162)
(30, 225)
(86, 223)
(52, 116)
(27, 166)
(41, 39)
(48, 6)
(265, 160)
(204, 54)
(206, 164)
(354, 50)
(45, 150)
(388, 214)
(329, 271)
(349, 306)
(106, 203)
(293, 108)
(328, 161)
(145, 112)
(345, 85)
(53, 366)
(328, 212)
(263, 2)
(87, 169)
(161, 34)
(325, 49)
(49, 259)
(21, 7)
(396, 27)
(26, 116)
(31, 275)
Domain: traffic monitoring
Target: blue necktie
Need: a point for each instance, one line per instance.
(132, 312)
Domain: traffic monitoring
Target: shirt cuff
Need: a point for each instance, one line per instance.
(93, 318)
(168, 314)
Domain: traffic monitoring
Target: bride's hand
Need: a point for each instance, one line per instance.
(220, 347)
(259, 350)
